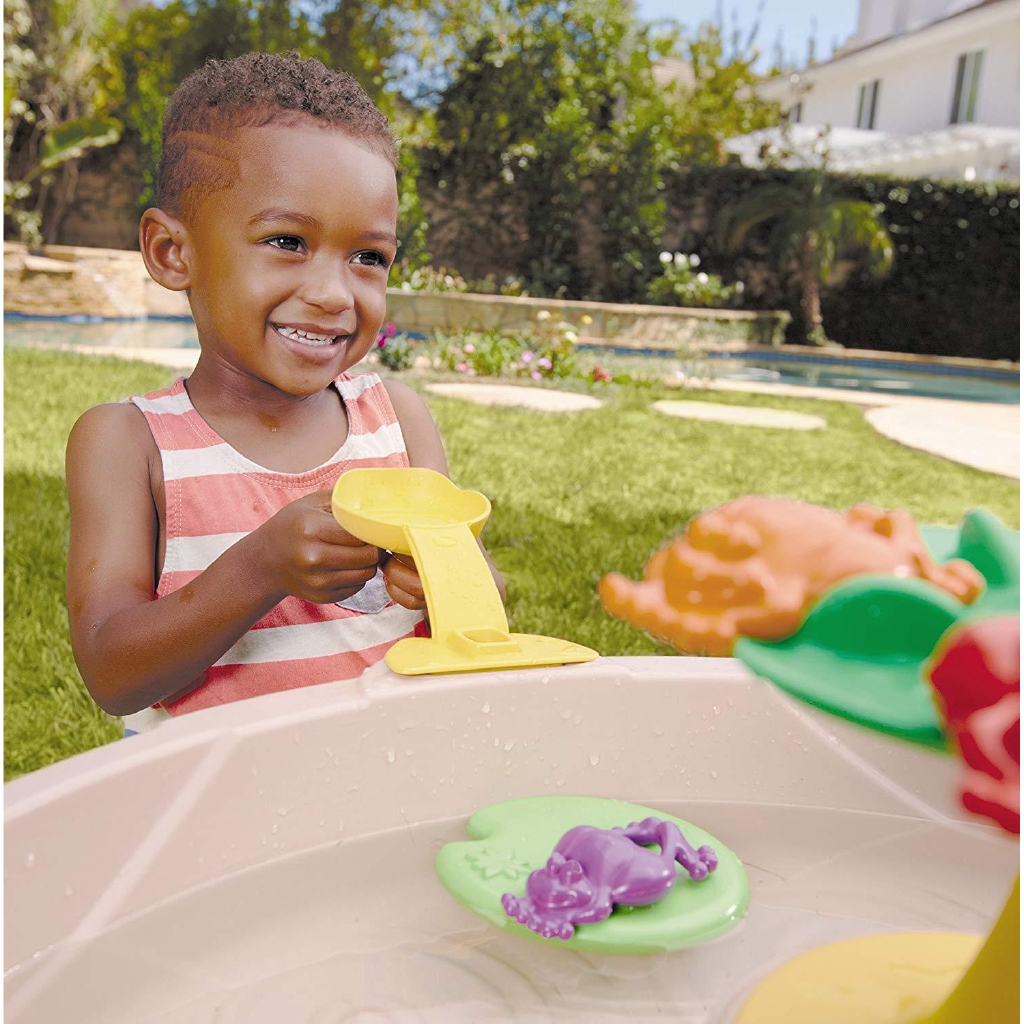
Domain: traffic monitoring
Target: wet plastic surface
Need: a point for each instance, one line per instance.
(272, 860)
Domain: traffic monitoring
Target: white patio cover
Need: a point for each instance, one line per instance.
(967, 151)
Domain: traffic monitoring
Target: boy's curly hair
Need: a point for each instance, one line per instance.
(251, 91)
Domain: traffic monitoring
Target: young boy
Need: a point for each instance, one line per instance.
(205, 565)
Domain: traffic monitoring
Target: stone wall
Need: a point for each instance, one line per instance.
(76, 281)
(628, 326)
(67, 280)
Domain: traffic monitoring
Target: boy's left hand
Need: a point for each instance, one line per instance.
(402, 580)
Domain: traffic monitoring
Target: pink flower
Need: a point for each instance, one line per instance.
(470, 347)
(390, 329)
(536, 375)
(526, 356)
(381, 340)
(461, 367)
(544, 363)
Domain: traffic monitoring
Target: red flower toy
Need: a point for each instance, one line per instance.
(976, 675)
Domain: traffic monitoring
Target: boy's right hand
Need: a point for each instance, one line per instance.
(309, 555)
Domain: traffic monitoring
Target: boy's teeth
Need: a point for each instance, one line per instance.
(306, 336)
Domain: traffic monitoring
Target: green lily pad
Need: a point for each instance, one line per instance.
(511, 839)
(863, 648)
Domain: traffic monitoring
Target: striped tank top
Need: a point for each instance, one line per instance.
(215, 496)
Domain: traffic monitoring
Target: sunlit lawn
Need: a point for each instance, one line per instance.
(573, 495)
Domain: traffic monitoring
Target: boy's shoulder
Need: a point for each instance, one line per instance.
(112, 428)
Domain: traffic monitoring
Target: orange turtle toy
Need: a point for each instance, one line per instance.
(755, 566)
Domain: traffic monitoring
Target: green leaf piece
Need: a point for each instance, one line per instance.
(863, 648)
(526, 832)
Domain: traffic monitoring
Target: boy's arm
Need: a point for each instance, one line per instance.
(134, 650)
(423, 444)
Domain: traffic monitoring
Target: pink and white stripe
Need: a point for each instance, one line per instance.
(215, 496)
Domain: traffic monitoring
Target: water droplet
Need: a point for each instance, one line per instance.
(716, 711)
(595, 759)
(414, 773)
(274, 829)
(560, 783)
(486, 709)
(254, 771)
(259, 792)
(566, 715)
(391, 757)
(509, 746)
(714, 775)
(352, 788)
(283, 811)
(659, 730)
(30, 860)
(497, 740)
(406, 726)
(68, 891)
(322, 822)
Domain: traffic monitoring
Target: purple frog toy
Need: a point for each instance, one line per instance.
(593, 868)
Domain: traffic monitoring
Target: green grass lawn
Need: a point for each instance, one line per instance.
(574, 496)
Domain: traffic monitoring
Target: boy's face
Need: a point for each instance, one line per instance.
(289, 263)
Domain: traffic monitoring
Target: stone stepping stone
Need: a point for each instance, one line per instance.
(540, 399)
(741, 415)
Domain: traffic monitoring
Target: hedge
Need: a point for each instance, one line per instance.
(953, 290)
(954, 287)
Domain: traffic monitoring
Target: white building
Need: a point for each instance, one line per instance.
(928, 87)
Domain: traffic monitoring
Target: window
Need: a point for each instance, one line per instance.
(796, 112)
(965, 95)
(867, 104)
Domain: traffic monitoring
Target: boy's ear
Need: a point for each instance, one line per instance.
(163, 239)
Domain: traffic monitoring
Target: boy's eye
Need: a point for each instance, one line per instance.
(290, 243)
(372, 258)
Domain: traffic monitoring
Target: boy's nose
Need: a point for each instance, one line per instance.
(328, 287)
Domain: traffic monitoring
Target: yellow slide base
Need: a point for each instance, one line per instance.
(900, 978)
(477, 651)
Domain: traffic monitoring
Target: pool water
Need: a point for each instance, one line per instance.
(962, 384)
(885, 378)
(965, 384)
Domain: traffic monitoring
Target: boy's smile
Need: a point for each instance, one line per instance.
(289, 262)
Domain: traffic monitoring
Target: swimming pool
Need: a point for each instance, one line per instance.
(881, 376)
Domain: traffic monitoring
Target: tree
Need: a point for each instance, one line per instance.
(723, 101)
(551, 126)
(808, 226)
(60, 86)
(158, 47)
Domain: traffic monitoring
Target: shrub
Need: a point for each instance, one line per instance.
(542, 351)
(395, 351)
(427, 279)
(681, 284)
